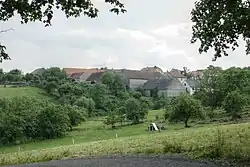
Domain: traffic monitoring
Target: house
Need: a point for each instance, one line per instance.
(152, 69)
(95, 77)
(134, 79)
(77, 76)
(168, 87)
(191, 86)
(177, 74)
(197, 74)
(85, 72)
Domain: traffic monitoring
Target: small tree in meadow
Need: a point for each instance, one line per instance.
(183, 108)
(233, 104)
(111, 120)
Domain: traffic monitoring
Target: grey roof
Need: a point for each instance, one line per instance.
(176, 73)
(38, 71)
(95, 76)
(193, 83)
(134, 74)
(161, 84)
(76, 75)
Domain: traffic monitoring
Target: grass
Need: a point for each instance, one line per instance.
(11, 92)
(93, 130)
(225, 141)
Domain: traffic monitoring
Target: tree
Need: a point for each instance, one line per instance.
(3, 54)
(210, 91)
(53, 121)
(134, 112)
(121, 114)
(234, 103)
(114, 83)
(76, 115)
(87, 103)
(183, 108)
(43, 11)
(111, 120)
(220, 24)
(146, 103)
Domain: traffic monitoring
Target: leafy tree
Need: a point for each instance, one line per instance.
(43, 11)
(146, 103)
(183, 108)
(53, 122)
(136, 94)
(234, 79)
(87, 103)
(234, 103)
(134, 112)
(220, 24)
(121, 114)
(99, 94)
(111, 120)
(160, 103)
(114, 83)
(76, 115)
(210, 91)
(11, 129)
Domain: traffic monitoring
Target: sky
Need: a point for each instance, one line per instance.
(150, 33)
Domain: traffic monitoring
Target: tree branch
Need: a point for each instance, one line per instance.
(10, 29)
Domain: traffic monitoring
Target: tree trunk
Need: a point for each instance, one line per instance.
(186, 124)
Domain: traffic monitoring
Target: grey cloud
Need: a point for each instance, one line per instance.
(33, 45)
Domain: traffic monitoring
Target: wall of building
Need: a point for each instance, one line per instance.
(189, 89)
(136, 83)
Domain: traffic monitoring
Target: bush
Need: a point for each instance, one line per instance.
(53, 122)
(160, 103)
(234, 103)
(26, 118)
(76, 114)
(87, 103)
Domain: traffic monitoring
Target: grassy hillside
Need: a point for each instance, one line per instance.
(10, 92)
(95, 130)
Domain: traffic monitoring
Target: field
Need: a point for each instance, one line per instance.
(11, 92)
(93, 138)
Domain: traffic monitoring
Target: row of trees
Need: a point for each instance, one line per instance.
(14, 75)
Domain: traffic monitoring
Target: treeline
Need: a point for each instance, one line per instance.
(14, 75)
(222, 93)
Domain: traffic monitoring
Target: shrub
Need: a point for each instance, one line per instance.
(76, 114)
(53, 122)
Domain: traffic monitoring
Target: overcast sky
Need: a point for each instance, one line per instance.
(150, 33)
